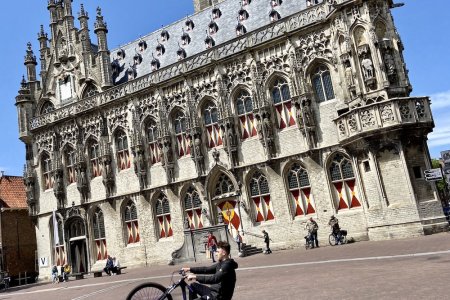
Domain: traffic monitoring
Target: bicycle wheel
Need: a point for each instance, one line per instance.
(149, 291)
(332, 240)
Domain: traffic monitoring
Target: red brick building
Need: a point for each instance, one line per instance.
(17, 231)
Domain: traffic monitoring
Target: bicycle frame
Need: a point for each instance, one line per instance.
(182, 284)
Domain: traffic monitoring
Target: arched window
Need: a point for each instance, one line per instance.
(47, 107)
(281, 98)
(179, 124)
(193, 209)
(213, 130)
(323, 86)
(162, 210)
(69, 156)
(224, 185)
(46, 168)
(123, 154)
(131, 223)
(300, 189)
(98, 226)
(94, 158)
(59, 252)
(344, 182)
(90, 90)
(152, 141)
(260, 194)
(244, 108)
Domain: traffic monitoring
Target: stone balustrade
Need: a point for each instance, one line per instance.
(383, 115)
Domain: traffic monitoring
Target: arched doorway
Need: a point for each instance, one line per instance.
(76, 232)
(225, 199)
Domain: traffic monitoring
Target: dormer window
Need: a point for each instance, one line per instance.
(216, 13)
(115, 67)
(209, 42)
(274, 3)
(137, 58)
(181, 54)
(274, 16)
(246, 2)
(131, 71)
(240, 30)
(155, 64)
(185, 39)
(189, 24)
(120, 54)
(213, 28)
(160, 49)
(243, 15)
(165, 35)
(142, 45)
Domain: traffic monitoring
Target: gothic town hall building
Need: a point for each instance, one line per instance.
(256, 113)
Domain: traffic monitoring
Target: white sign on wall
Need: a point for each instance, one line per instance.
(433, 174)
(43, 262)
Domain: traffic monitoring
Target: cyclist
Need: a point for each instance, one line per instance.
(334, 223)
(221, 276)
(312, 228)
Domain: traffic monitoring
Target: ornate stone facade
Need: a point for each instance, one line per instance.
(308, 115)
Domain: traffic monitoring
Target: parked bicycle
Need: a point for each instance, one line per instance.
(342, 238)
(309, 242)
(155, 291)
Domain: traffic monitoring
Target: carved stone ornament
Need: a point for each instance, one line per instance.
(196, 149)
(140, 166)
(93, 126)
(314, 45)
(265, 131)
(69, 134)
(230, 140)
(58, 185)
(81, 173)
(166, 156)
(117, 117)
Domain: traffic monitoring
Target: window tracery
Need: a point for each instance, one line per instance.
(90, 91)
(162, 209)
(322, 83)
(260, 195)
(98, 226)
(179, 124)
(152, 141)
(70, 164)
(123, 154)
(224, 185)
(193, 209)
(300, 191)
(244, 108)
(94, 158)
(210, 117)
(47, 107)
(344, 182)
(131, 223)
(47, 172)
(282, 102)
(59, 252)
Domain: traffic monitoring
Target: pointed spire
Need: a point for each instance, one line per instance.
(82, 13)
(30, 58)
(23, 83)
(100, 24)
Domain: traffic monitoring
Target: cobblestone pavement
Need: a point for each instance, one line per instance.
(398, 269)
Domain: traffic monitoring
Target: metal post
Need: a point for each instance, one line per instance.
(193, 244)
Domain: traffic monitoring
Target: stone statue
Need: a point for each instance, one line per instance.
(389, 62)
(307, 113)
(299, 116)
(161, 154)
(58, 187)
(82, 182)
(108, 176)
(139, 167)
(349, 74)
(367, 67)
(186, 224)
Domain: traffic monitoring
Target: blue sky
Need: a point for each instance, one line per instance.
(423, 25)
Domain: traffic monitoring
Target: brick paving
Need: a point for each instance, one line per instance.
(365, 270)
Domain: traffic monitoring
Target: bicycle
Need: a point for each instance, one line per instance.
(309, 242)
(342, 240)
(156, 291)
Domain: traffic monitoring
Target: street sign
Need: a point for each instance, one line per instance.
(433, 174)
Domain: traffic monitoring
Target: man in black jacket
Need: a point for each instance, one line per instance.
(221, 277)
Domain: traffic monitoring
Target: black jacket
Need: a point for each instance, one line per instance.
(222, 280)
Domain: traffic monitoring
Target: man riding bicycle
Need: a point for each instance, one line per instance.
(221, 276)
(334, 223)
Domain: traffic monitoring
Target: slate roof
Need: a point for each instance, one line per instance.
(258, 16)
(12, 192)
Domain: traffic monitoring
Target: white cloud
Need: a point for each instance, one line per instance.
(440, 100)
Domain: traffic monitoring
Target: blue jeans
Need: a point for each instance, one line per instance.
(313, 237)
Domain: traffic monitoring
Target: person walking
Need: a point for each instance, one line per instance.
(212, 245)
(312, 228)
(267, 241)
(221, 277)
(238, 240)
(55, 277)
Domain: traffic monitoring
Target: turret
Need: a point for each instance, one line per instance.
(103, 53)
(43, 49)
(68, 20)
(53, 19)
(24, 104)
(84, 29)
(30, 63)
